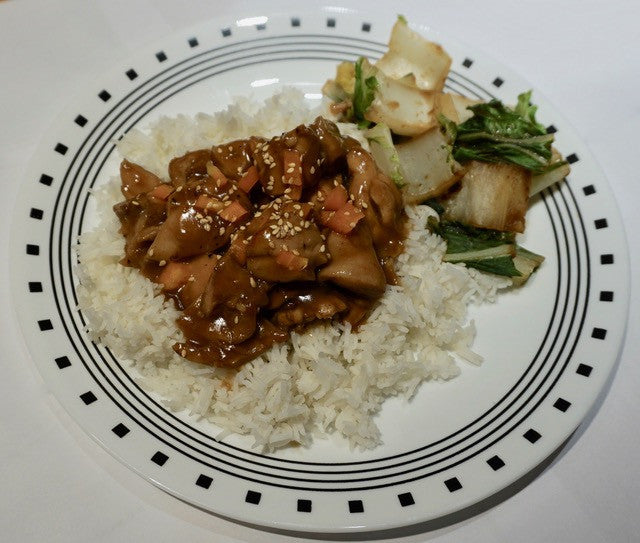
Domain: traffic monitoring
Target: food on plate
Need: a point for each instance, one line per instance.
(477, 163)
(281, 271)
(257, 237)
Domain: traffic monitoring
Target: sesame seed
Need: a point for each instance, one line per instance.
(162, 263)
(257, 214)
(222, 230)
(192, 278)
(297, 229)
(230, 148)
(364, 205)
(322, 248)
(312, 170)
(135, 203)
(352, 224)
(252, 282)
(183, 352)
(150, 252)
(301, 213)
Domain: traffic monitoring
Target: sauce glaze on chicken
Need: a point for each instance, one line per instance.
(255, 238)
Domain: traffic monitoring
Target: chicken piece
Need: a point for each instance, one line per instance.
(186, 232)
(140, 220)
(284, 228)
(494, 196)
(379, 198)
(136, 180)
(331, 145)
(233, 355)
(187, 280)
(233, 158)
(193, 164)
(300, 305)
(354, 264)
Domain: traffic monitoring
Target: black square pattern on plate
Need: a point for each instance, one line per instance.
(606, 296)
(88, 397)
(193, 42)
(204, 481)
(572, 158)
(599, 333)
(304, 506)
(35, 286)
(406, 499)
(551, 129)
(331, 23)
(606, 259)
(45, 325)
(159, 458)
(495, 463)
(120, 430)
(261, 26)
(253, 497)
(33, 250)
(561, 404)
(161, 56)
(589, 190)
(63, 362)
(131, 74)
(46, 179)
(467, 62)
(600, 223)
(584, 370)
(356, 506)
(295, 21)
(226, 32)
(453, 484)
(36, 213)
(80, 120)
(366, 27)
(531, 435)
(104, 95)
(497, 82)
(61, 148)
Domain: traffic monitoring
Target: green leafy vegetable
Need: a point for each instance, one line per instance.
(497, 133)
(363, 93)
(486, 250)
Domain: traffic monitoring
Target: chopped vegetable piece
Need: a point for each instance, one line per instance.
(343, 220)
(429, 169)
(422, 63)
(161, 192)
(136, 180)
(249, 179)
(292, 261)
(497, 133)
(174, 275)
(486, 250)
(493, 196)
(364, 89)
(384, 152)
(526, 263)
(336, 198)
(233, 212)
(542, 181)
(406, 110)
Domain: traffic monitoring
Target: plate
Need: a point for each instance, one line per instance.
(549, 347)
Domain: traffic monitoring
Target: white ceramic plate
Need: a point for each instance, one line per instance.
(549, 347)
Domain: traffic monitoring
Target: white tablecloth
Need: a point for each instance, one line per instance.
(56, 484)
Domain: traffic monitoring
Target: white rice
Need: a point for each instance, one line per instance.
(328, 379)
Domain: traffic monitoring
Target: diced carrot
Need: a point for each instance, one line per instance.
(216, 174)
(161, 191)
(207, 203)
(292, 167)
(343, 220)
(174, 275)
(292, 261)
(233, 212)
(249, 179)
(336, 198)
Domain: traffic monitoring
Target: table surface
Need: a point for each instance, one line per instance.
(58, 485)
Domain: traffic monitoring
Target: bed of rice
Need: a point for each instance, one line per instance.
(328, 379)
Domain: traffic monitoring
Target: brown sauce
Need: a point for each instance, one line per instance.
(255, 238)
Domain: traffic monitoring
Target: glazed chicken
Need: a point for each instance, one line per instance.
(256, 238)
